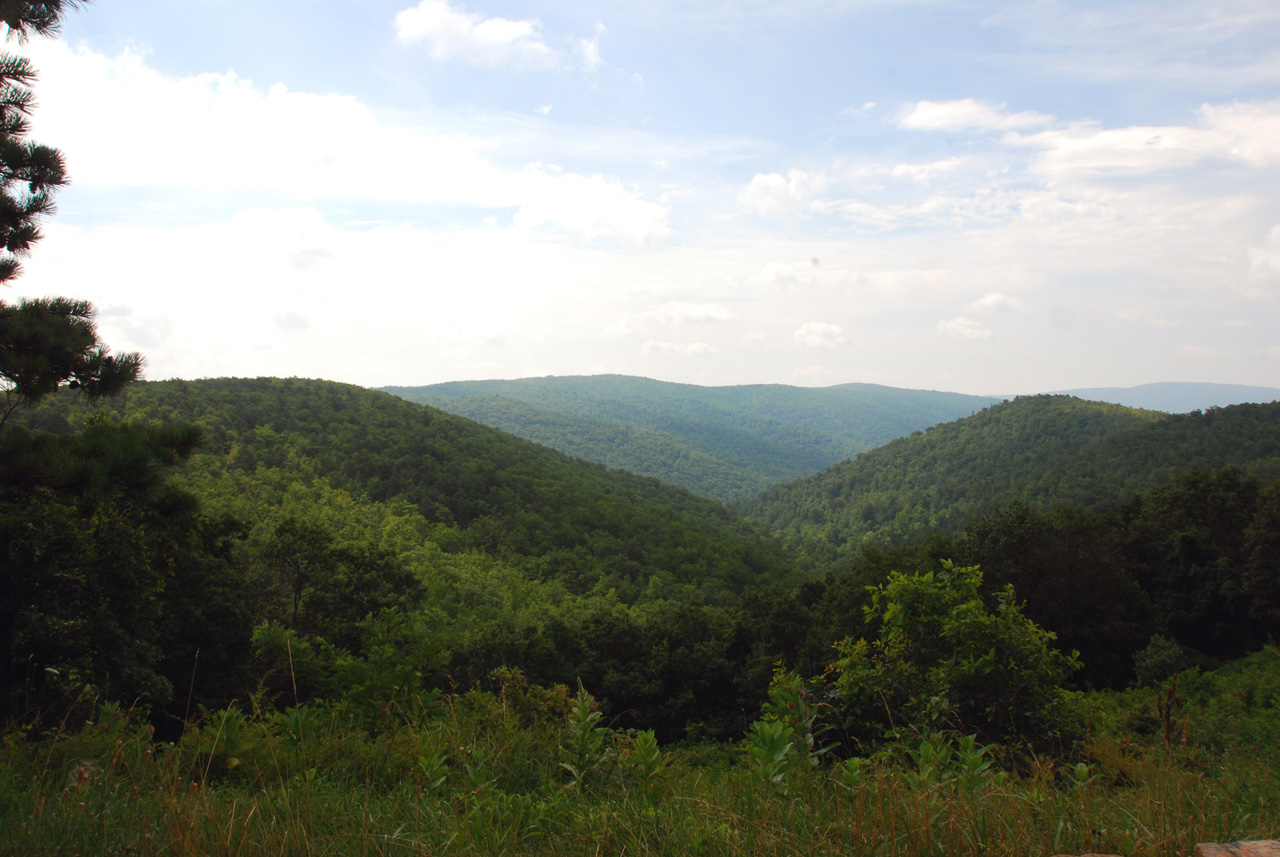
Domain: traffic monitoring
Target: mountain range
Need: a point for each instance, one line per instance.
(732, 443)
(727, 443)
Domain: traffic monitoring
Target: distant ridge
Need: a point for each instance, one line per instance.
(1177, 397)
(727, 443)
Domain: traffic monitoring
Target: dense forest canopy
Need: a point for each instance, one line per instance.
(1036, 449)
(336, 523)
(478, 488)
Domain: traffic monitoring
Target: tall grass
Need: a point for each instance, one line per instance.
(514, 774)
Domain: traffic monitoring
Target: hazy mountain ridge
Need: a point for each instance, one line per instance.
(1177, 397)
(728, 443)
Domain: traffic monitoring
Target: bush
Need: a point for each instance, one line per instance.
(944, 662)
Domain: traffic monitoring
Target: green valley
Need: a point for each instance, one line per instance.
(354, 619)
(727, 443)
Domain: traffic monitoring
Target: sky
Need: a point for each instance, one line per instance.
(983, 197)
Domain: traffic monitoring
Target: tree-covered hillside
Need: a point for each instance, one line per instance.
(480, 489)
(728, 443)
(1040, 449)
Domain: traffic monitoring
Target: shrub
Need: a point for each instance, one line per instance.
(944, 662)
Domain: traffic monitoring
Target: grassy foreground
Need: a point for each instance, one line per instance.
(531, 771)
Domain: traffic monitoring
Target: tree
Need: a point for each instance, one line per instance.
(45, 342)
(41, 17)
(90, 532)
(943, 662)
(88, 526)
(48, 342)
(1262, 576)
(1067, 567)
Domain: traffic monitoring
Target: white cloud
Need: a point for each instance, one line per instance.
(304, 146)
(997, 301)
(1264, 262)
(1133, 150)
(588, 51)
(453, 34)
(819, 334)
(778, 274)
(773, 193)
(1236, 132)
(964, 328)
(308, 259)
(967, 114)
(924, 174)
(394, 301)
(654, 346)
(589, 205)
(1251, 130)
(1143, 316)
(291, 321)
(684, 312)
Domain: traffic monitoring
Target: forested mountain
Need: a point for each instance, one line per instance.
(349, 545)
(1039, 449)
(344, 543)
(1177, 397)
(479, 489)
(728, 443)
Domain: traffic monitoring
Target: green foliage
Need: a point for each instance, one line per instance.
(49, 342)
(771, 753)
(939, 479)
(792, 701)
(1262, 572)
(1182, 563)
(223, 738)
(1235, 708)
(646, 758)
(973, 766)
(94, 541)
(482, 776)
(1161, 659)
(435, 769)
(1068, 567)
(1185, 543)
(943, 662)
(297, 725)
(476, 489)
(30, 173)
(586, 740)
(852, 773)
